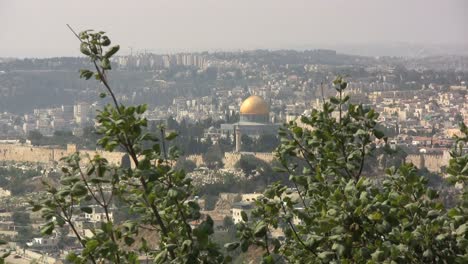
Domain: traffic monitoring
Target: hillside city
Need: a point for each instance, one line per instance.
(227, 109)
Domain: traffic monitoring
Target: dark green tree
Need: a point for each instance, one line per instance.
(267, 143)
(213, 158)
(22, 223)
(89, 138)
(35, 137)
(186, 164)
(126, 163)
(247, 143)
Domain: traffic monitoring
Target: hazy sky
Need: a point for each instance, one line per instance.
(36, 28)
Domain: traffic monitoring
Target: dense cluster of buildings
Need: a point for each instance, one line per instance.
(154, 61)
(48, 120)
(252, 94)
(64, 118)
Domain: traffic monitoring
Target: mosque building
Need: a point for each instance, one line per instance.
(254, 121)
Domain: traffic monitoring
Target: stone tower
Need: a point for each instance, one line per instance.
(238, 139)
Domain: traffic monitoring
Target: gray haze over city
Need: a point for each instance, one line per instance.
(33, 28)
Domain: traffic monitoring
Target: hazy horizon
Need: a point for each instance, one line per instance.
(37, 28)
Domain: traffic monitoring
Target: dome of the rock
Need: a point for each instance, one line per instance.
(254, 109)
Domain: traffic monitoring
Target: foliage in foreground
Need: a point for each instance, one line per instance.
(334, 213)
(159, 196)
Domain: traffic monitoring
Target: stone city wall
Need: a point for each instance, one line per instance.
(250, 197)
(231, 197)
(197, 159)
(432, 162)
(25, 153)
(231, 158)
(265, 156)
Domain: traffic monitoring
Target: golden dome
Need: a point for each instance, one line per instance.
(254, 105)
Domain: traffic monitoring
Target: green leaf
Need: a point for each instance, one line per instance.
(105, 41)
(129, 241)
(244, 216)
(334, 100)
(231, 246)
(186, 244)
(378, 134)
(64, 192)
(431, 193)
(141, 109)
(376, 216)
(298, 131)
(171, 136)
(453, 212)
(60, 221)
(87, 74)
(47, 229)
(361, 132)
(268, 259)
(245, 245)
(87, 210)
(465, 168)
(326, 255)
(339, 248)
(276, 243)
(111, 51)
(105, 64)
(106, 227)
(161, 257)
(361, 181)
(378, 255)
(171, 247)
(69, 180)
(461, 230)
(36, 207)
(260, 230)
(102, 95)
(343, 85)
(279, 169)
(91, 245)
(71, 257)
(204, 230)
(173, 193)
(428, 253)
(84, 49)
(79, 189)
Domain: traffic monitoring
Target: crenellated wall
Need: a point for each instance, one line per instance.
(231, 158)
(25, 153)
(197, 159)
(432, 161)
